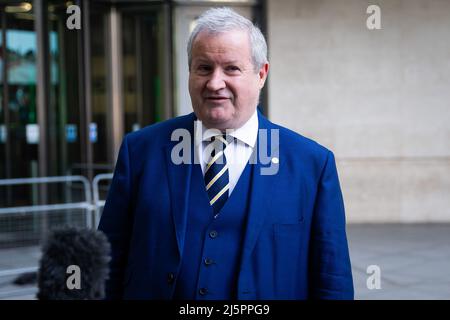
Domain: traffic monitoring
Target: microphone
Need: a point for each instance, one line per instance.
(74, 265)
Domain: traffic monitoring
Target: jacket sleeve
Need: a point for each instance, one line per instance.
(330, 275)
(116, 222)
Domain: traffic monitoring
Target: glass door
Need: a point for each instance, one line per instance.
(128, 70)
(21, 141)
(131, 80)
(65, 104)
(19, 133)
(143, 67)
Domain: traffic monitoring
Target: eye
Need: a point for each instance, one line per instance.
(233, 68)
(204, 68)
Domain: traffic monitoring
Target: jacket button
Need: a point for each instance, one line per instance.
(170, 278)
(213, 234)
(203, 291)
(208, 261)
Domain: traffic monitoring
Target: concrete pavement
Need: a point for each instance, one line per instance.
(413, 260)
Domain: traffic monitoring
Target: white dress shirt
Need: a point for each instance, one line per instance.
(237, 153)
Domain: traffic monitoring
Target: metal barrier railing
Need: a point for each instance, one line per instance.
(91, 205)
(95, 188)
(51, 207)
(13, 272)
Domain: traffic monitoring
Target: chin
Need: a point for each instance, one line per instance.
(218, 115)
(217, 122)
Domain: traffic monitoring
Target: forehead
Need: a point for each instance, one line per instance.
(233, 43)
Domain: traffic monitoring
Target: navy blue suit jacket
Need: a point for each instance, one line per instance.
(295, 244)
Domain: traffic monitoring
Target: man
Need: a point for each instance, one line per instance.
(228, 225)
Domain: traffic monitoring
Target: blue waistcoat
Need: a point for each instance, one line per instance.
(212, 245)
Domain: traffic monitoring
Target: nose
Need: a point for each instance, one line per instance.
(216, 81)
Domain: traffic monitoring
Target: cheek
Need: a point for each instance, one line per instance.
(246, 93)
(195, 85)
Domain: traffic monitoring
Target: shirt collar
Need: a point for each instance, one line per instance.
(247, 133)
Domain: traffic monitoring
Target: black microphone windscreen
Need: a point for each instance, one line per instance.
(69, 251)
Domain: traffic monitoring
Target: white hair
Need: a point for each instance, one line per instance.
(220, 20)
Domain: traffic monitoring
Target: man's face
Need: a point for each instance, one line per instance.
(223, 83)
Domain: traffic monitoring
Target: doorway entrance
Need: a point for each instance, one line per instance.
(130, 74)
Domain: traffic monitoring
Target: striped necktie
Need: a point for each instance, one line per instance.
(216, 174)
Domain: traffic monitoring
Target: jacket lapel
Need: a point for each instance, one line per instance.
(179, 177)
(262, 186)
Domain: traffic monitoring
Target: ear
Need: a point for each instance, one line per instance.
(262, 73)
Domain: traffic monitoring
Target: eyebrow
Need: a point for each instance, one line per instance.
(203, 60)
(232, 62)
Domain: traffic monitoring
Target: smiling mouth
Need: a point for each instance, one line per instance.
(217, 100)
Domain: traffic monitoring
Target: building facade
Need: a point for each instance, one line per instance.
(379, 98)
